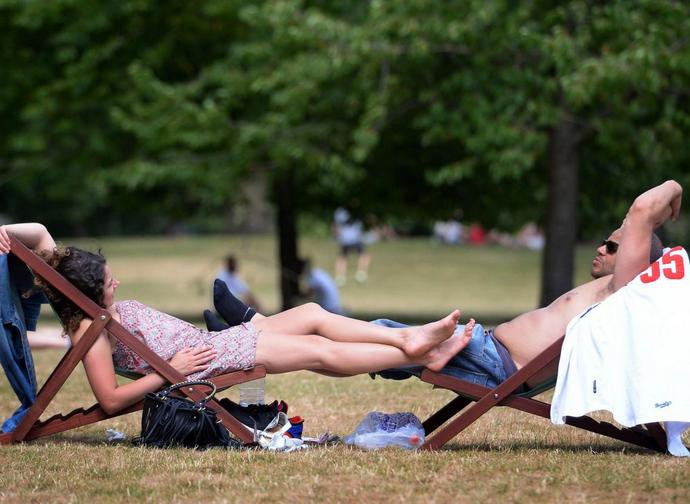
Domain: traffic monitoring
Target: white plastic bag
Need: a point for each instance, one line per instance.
(379, 430)
(114, 435)
(276, 428)
(282, 443)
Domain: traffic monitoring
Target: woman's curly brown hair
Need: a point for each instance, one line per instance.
(85, 270)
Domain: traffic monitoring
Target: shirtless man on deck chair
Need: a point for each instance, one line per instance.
(495, 354)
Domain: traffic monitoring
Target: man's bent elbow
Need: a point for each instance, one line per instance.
(641, 206)
(675, 186)
(643, 210)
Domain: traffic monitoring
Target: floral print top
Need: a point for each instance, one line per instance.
(167, 335)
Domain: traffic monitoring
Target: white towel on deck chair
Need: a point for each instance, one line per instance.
(630, 354)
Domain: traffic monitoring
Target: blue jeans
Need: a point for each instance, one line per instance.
(17, 314)
(478, 362)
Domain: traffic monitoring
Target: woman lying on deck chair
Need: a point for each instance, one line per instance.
(302, 338)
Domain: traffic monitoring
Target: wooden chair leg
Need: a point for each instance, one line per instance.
(444, 414)
(658, 433)
(60, 375)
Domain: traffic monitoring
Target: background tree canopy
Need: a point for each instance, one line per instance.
(133, 115)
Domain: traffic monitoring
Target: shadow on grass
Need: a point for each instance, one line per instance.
(78, 439)
(542, 446)
(94, 442)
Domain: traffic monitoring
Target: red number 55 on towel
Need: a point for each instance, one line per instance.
(671, 266)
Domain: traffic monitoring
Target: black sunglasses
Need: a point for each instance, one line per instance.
(611, 246)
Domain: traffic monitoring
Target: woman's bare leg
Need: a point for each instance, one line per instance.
(310, 318)
(281, 353)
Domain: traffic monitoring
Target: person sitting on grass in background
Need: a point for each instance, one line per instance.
(236, 285)
(303, 338)
(320, 286)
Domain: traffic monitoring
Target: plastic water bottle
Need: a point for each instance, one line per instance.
(252, 392)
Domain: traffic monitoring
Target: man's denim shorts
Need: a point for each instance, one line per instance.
(479, 362)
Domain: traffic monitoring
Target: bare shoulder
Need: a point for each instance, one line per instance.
(102, 346)
(595, 291)
(83, 326)
(581, 297)
(81, 330)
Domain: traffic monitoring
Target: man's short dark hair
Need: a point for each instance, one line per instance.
(656, 250)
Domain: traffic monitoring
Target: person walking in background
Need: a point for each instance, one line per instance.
(321, 287)
(236, 285)
(350, 235)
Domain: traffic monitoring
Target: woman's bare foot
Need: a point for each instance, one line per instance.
(420, 340)
(439, 356)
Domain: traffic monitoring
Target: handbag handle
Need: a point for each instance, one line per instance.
(166, 392)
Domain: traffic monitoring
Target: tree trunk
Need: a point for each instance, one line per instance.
(286, 215)
(561, 219)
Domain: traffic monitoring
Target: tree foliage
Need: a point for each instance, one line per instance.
(133, 114)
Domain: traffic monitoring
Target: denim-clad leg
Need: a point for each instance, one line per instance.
(17, 314)
(479, 362)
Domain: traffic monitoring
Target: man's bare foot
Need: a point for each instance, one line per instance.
(439, 356)
(420, 340)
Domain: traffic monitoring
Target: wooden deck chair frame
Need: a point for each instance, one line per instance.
(31, 427)
(650, 436)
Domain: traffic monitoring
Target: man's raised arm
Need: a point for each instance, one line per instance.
(649, 211)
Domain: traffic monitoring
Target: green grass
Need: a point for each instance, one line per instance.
(505, 456)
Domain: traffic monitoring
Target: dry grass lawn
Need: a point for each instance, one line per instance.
(505, 456)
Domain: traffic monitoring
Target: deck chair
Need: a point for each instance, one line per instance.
(508, 393)
(31, 427)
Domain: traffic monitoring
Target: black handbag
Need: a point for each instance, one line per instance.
(169, 421)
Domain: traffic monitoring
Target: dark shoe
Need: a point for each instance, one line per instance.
(280, 407)
(255, 416)
(213, 323)
(231, 309)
